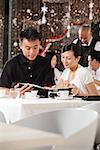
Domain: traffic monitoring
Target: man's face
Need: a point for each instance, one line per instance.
(84, 36)
(30, 49)
(93, 64)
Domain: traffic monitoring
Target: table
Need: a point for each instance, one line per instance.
(16, 109)
(20, 138)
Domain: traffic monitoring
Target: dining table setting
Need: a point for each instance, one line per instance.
(16, 109)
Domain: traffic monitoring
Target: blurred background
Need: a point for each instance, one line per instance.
(51, 17)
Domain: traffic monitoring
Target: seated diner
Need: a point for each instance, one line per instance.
(76, 76)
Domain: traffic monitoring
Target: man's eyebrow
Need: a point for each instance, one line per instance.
(27, 46)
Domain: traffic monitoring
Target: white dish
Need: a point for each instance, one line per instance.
(30, 95)
(65, 98)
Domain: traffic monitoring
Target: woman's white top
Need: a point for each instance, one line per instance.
(81, 79)
(97, 74)
(57, 75)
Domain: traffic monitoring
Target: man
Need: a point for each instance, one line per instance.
(94, 64)
(87, 44)
(28, 66)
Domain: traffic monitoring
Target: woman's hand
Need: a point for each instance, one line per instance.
(62, 84)
(75, 91)
(65, 83)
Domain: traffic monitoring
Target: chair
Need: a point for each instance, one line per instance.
(95, 106)
(2, 117)
(14, 137)
(77, 126)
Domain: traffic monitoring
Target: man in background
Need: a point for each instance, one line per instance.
(86, 43)
(94, 64)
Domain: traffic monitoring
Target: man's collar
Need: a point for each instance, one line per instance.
(22, 59)
(90, 41)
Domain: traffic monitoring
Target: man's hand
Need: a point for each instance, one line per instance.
(25, 88)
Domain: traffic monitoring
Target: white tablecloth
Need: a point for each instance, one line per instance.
(16, 109)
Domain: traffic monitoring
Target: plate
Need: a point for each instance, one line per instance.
(65, 98)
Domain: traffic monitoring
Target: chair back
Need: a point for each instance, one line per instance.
(96, 107)
(78, 126)
(2, 117)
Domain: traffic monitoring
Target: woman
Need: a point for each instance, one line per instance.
(52, 60)
(76, 76)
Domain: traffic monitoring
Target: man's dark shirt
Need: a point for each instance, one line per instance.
(86, 51)
(19, 70)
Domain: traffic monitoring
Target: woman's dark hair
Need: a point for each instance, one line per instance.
(49, 56)
(74, 48)
(50, 76)
(30, 34)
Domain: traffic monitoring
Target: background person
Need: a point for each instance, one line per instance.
(87, 44)
(52, 60)
(28, 66)
(76, 76)
(94, 66)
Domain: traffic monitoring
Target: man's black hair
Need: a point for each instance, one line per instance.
(30, 34)
(96, 55)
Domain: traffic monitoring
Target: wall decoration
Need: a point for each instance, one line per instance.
(51, 18)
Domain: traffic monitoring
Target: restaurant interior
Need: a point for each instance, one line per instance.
(49, 118)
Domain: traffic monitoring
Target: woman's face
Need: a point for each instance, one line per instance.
(54, 61)
(69, 60)
(64, 60)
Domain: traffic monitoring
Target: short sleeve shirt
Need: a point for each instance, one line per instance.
(18, 69)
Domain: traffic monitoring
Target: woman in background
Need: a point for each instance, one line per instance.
(52, 60)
